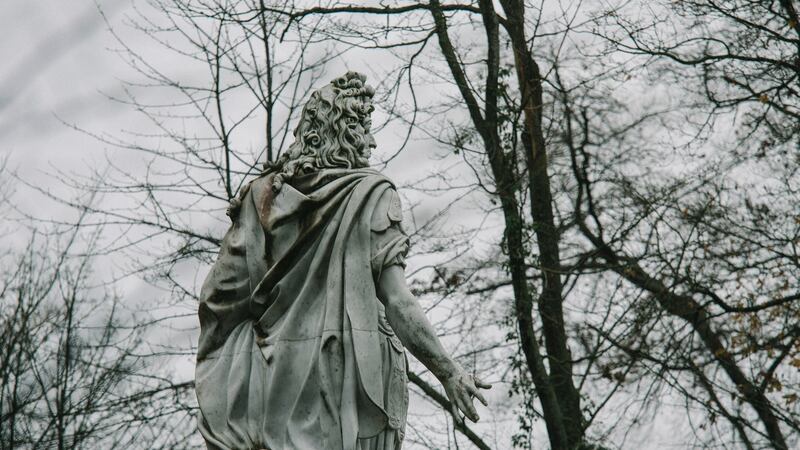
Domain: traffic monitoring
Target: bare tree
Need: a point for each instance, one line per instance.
(164, 186)
(645, 257)
(686, 240)
(71, 372)
(714, 244)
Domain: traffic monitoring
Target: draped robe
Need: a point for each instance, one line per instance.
(295, 351)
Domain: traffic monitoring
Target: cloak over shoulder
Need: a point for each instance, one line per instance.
(295, 351)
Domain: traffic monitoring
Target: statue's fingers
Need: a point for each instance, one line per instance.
(480, 383)
(454, 409)
(479, 396)
(473, 389)
(459, 405)
(468, 407)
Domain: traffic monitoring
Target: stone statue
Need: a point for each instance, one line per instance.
(306, 313)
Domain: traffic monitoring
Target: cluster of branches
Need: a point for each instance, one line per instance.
(640, 159)
(701, 252)
(72, 371)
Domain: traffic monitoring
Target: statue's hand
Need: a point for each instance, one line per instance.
(461, 387)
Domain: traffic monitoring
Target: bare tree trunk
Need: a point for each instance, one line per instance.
(507, 188)
(547, 239)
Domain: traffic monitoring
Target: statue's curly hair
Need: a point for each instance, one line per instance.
(326, 136)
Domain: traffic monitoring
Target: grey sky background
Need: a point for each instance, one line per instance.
(59, 66)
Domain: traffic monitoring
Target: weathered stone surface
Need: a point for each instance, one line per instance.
(305, 314)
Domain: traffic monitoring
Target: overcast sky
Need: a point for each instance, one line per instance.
(55, 64)
(59, 66)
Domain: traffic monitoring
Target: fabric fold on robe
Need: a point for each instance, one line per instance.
(295, 351)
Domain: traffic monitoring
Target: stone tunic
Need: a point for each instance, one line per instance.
(295, 351)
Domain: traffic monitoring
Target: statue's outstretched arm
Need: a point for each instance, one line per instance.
(417, 335)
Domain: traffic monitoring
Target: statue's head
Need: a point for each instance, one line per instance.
(334, 130)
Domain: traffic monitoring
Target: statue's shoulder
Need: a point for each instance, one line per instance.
(259, 188)
(388, 209)
(360, 174)
(379, 175)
